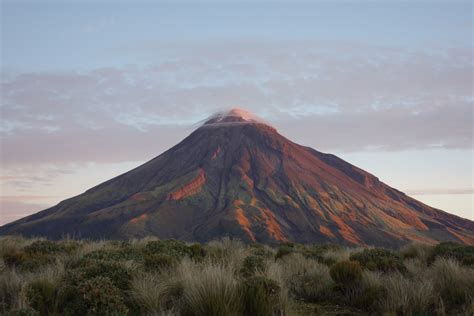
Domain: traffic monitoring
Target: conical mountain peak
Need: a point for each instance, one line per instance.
(242, 179)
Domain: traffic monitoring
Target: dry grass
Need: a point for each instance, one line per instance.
(214, 284)
(211, 289)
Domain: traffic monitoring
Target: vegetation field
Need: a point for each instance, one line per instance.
(227, 277)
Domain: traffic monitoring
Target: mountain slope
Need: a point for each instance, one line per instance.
(237, 176)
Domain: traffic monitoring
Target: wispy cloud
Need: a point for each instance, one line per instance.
(360, 97)
(445, 191)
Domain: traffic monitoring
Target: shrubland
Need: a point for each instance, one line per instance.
(227, 277)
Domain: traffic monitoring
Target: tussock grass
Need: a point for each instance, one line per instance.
(228, 277)
(211, 290)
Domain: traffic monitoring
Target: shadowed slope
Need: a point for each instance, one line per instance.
(237, 176)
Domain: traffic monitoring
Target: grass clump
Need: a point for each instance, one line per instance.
(211, 291)
(42, 296)
(261, 296)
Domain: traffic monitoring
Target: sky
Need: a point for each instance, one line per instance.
(92, 89)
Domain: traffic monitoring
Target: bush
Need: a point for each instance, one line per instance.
(317, 252)
(379, 259)
(13, 259)
(261, 296)
(88, 269)
(174, 248)
(99, 296)
(251, 265)
(197, 252)
(44, 247)
(346, 272)
(26, 261)
(42, 297)
(463, 254)
(159, 262)
(121, 254)
(284, 250)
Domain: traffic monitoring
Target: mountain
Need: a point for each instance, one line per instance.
(237, 176)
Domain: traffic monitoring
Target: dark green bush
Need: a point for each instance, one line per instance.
(379, 259)
(88, 269)
(99, 296)
(316, 252)
(13, 259)
(252, 264)
(174, 248)
(261, 296)
(120, 254)
(284, 250)
(346, 272)
(462, 253)
(197, 252)
(26, 261)
(159, 261)
(261, 251)
(42, 297)
(44, 247)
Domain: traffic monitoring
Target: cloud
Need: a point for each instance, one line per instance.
(332, 96)
(440, 191)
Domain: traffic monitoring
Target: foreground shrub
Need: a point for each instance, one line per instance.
(197, 252)
(42, 297)
(119, 275)
(346, 272)
(100, 297)
(463, 254)
(212, 290)
(44, 247)
(159, 262)
(251, 265)
(284, 250)
(121, 254)
(261, 296)
(173, 248)
(26, 261)
(318, 252)
(379, 259)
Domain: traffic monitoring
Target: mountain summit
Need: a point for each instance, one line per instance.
(237, 176)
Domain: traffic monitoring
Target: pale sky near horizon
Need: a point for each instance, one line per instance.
(91, 89)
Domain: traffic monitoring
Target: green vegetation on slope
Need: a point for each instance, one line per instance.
(227, 277)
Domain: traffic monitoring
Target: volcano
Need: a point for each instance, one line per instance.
(237, 176)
